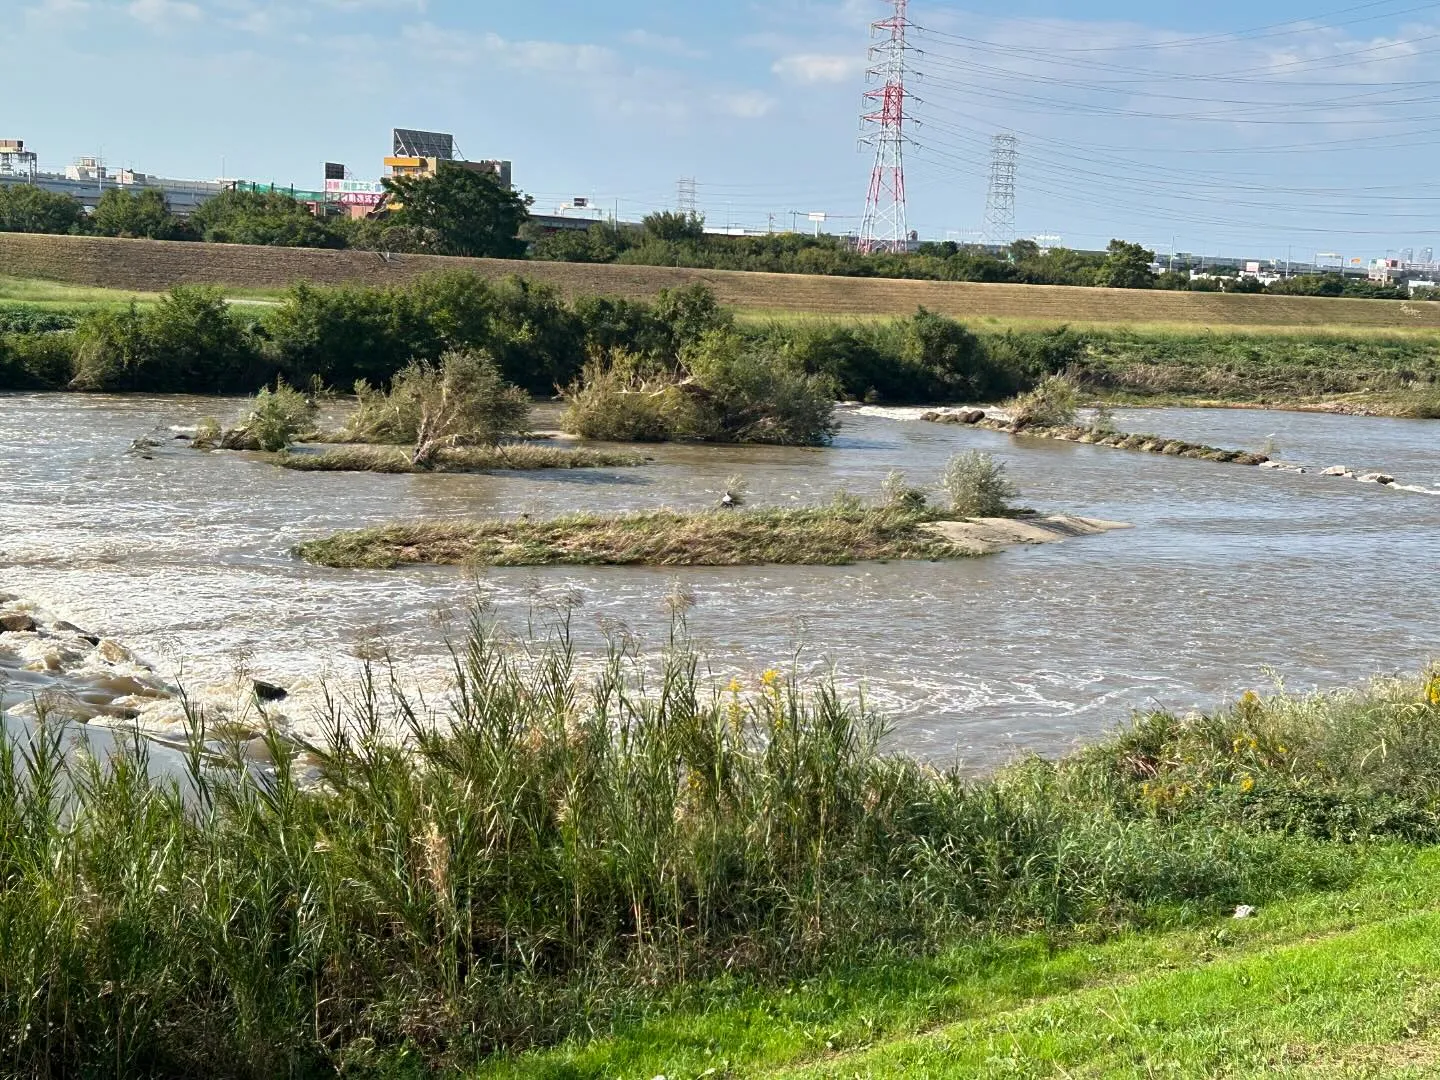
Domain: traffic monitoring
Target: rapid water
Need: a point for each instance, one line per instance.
(1232, 573)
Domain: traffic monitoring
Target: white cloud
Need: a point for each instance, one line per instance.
(818, 68)
(163, 13)
(57, 12)
(746, 104)
(646, 39)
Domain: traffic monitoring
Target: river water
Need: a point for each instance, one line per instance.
(1232, 575)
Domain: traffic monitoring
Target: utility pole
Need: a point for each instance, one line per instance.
(884, 227)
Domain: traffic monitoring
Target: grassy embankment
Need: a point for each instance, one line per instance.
(682, 877)
(1338, 984)
(151, 266)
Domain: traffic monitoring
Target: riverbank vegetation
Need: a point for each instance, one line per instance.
(549, 855)
(638, 369)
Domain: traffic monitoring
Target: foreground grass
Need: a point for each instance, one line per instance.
(1323, 979)
(832, 535)
(683, 871)
(469, 459)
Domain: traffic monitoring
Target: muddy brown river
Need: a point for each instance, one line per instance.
(1232, 577)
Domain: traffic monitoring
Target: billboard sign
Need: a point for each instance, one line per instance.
(359, 198)
(355, 187)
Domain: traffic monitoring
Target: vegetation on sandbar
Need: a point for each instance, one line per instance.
(846, 531)
(463, 459)
(829, 535)
(549, 855)
(456, 416)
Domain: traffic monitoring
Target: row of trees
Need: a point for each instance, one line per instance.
(457, 212)
(468, 213)
(684, 347)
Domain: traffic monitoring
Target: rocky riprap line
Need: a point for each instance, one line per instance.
(1153, 444)
(1147, 444)
(54, 673)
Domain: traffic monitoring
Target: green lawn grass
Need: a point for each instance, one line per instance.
(49, 295)
(1337, 984)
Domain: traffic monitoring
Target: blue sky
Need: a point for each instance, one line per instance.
(1260, 129)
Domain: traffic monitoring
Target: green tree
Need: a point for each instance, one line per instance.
(143, 214)
(30, 209)
(1024, 251)
(467, 212)
(1126, 266)
(673, 227)
(267, 218)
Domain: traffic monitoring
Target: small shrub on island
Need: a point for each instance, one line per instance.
(725, 389)
(279, 416)
(977, 486)
(1053, 403)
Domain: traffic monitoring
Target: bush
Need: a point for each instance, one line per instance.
(36, 361)
(1051, 404)
(977, 486)
(726, 390)
(462, 401)
(899, 495)
(342, 336)
(190, 342)
(755, 396)
(266, 218)
(615, 401)
(279, 415)
(27, 208)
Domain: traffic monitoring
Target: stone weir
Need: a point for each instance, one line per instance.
(1155, 444)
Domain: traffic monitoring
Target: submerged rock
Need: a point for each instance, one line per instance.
(266, 691)
(17, 624)
(1337, 470)
(1377, 478)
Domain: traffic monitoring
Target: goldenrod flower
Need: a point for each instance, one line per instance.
(734, 686)
(1247, 784)
(1432, 690)
(770, 677)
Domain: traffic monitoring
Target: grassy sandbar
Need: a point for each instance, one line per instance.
(466, 459)
(821, 536)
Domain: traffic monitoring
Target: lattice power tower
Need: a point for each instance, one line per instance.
(885, 227)
(1000, 202)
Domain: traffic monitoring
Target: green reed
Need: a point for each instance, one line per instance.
(545, 853)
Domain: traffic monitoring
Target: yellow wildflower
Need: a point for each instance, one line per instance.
(1247, 784)
(1432, 690)
(770, 677)
(734, 686)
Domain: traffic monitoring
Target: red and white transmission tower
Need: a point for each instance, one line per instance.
(885, 227)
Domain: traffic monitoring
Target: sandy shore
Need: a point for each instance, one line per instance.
(985, 536)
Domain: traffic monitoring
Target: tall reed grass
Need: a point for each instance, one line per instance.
(544, 853)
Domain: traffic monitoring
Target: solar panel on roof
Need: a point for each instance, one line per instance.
(424, 144)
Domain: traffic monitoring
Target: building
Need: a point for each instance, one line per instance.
(87, 179)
